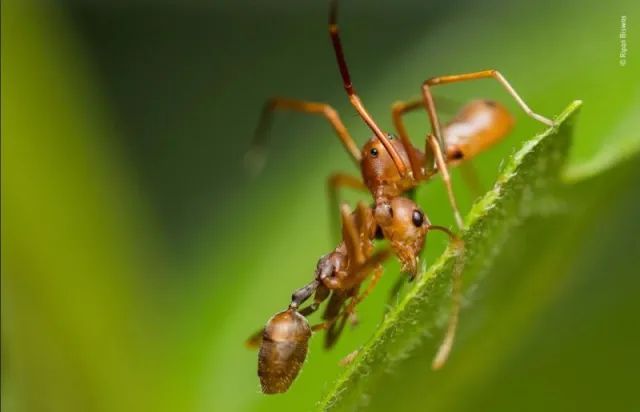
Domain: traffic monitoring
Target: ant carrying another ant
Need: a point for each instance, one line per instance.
(389, 168)
(338, 279)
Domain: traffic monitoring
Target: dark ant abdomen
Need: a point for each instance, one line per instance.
(283, 351)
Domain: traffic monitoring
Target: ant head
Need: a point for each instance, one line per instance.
(378, 169)
(283, 350)
(405, 226)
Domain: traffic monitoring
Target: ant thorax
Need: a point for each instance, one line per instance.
(379, 171)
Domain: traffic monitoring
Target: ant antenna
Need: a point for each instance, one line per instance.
(351, 92)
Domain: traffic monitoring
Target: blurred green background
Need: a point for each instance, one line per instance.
(137, 254)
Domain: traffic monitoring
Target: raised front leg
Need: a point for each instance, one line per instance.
(257, 153)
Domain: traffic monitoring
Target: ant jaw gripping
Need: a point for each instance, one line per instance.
(283, 350)
(405, 226)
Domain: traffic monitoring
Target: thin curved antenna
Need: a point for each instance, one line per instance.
(351, 92)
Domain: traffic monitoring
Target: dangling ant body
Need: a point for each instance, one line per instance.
(390, 168)
(338, 278)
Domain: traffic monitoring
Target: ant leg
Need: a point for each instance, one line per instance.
(255, 340)
(456, 274)
(256, 154)
(308, 310)
(375, 278)
(442, 167)
(335, 318)
(335, 329)
(370, 265)
(499, 127)
(434, 81)
(336, 182)
(347, 360)
(351, 91)
(366, 227)
(401, 107)
(397, 110)
(332, 313)
(351, 237)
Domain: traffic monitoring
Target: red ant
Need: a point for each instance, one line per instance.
(389, 167)
(338, 277)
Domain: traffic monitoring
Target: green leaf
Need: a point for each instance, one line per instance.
(523, 189)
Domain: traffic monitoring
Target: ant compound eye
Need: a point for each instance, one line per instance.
(374, 152)
(391, 136)
(417, 218)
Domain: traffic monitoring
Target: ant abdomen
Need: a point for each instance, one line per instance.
(283, 350)
(478, 125)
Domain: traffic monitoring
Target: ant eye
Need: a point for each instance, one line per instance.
(391, 136)
(417, 218)
(374, 152)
